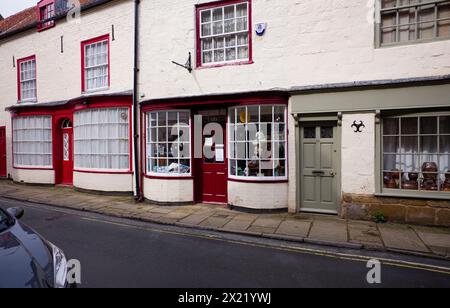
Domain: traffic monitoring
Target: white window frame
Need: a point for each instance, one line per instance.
(23, 81)
(109, 154)
(149, 142)
(223, 35)
(86, 68)
(17, 141)
(230, 159)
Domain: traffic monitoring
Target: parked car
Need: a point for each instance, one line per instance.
(27, 260)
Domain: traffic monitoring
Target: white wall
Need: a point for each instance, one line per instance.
(358, 154)
(307, 42)
(162, 190)
(34, 176)
(266, 196)
(59, 74)
(103, 182)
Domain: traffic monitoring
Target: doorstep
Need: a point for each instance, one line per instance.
(308, 228)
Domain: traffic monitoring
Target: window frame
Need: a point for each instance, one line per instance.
(147, 142)
(257, 179)
(398, 192)
(86, 43)
(19, 80)
(45, 5)
(25, 167)
(130, 142)
(378, 24)
(211, 5)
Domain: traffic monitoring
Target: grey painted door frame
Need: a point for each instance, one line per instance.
(301, 120)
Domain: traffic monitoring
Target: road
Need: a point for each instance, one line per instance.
(125, 253)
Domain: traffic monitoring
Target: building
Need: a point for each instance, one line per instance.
(335, 107)
(67, 89)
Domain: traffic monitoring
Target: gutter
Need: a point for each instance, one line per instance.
(136, 132)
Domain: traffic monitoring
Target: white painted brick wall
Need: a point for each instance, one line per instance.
(59, 74)
(307, 42)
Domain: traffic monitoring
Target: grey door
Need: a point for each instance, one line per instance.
(319, 167)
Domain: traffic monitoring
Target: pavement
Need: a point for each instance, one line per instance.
(301, 228)
(117, 252)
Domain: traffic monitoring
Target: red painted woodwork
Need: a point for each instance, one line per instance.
(214, 174)
(67, 153)
(89, 42)
(2, 152)
(204, 6)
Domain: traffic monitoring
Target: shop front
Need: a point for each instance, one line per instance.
(375, 150)
(228, 149)
(84, 143)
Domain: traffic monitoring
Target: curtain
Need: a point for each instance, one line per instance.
(96, 65)
(28, 80)
(101, 138)
(32, 141)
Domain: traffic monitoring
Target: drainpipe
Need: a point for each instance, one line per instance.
(136, 130)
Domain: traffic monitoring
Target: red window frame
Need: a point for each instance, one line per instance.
(83, 70)
(19, 62)
(42, 9)
(217, 4)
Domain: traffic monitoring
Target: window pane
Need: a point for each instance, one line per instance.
(428, 125)
(444, 125)
(428, 144)
(326, 132)
(309, 132)
(391, 126)
(444, 25)
(409, 144)
(391, 145)
(409, 126)
(206, 16)
(444, 144)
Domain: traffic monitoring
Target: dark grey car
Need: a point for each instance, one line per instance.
(27, 260)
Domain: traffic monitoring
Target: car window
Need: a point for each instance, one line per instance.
(5, 221)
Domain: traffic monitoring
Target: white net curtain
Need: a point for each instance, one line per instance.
(96, 65)
(102, 139)
(409, 142)
(32, 141)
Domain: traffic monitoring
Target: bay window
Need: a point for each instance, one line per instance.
(32, 141)
(413, 20)
(168, 143)
(224, 33)
(95, 68)
(27, 79)
(102, 139)
(257, 142)
(416, 153)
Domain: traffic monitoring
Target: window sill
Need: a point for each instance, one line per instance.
(274, 180)
(87, 92)
(206, 66)
(168, 177)
(33, 168)
(28, 101)
(414, 195)
(105, 171)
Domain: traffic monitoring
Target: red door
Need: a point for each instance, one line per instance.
(2, 152)
(214, 164)
(67, 153)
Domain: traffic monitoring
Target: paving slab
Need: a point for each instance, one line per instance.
(294, 227)
(401, 237)
(259, 229)
(267, 222)
(215, 222)
(240, 222)
(436, 239)
(329, 230)
(197, 217)
(365, 233)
